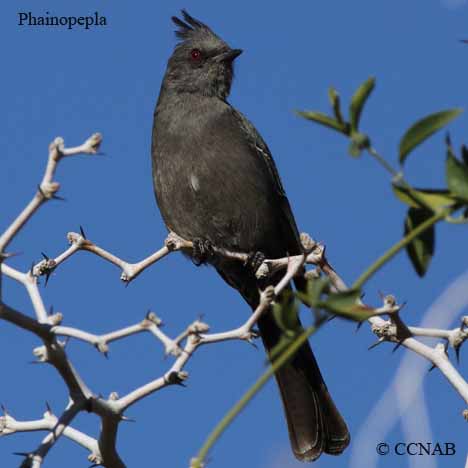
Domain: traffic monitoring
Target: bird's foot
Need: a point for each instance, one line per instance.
(255, 261)
(202, 250)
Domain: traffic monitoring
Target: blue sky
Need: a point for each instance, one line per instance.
(73, 83)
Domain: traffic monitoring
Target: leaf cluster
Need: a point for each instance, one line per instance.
(422, 203)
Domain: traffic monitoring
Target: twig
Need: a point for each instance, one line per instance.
(437, 355)
(48, 328)
(48, 189)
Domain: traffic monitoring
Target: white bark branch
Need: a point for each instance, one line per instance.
(9, 426)
(150, 324)
(48, 188)
(390, 330)
(48, 327)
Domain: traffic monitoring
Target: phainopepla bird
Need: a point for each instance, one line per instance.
(217, 184)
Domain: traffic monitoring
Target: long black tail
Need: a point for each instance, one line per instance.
(314, 423)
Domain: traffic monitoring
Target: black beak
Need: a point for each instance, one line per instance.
(229, 56)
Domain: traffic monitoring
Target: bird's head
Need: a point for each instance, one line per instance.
(201, 62)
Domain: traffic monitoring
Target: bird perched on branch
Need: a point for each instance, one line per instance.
(216, 184)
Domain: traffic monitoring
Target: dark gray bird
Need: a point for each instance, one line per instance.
(217, 185)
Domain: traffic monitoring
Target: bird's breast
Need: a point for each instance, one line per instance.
(208, 185)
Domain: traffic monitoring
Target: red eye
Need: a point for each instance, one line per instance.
(196, 54)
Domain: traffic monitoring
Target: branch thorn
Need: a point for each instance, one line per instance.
(374, 345)
(397, 345)
(5, 255)
(127, 419)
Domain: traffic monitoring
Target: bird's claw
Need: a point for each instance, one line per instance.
(255, 260)
(202, 250)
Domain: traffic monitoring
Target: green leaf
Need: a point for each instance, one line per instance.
(421, 249)
(357, 102)
(323, 119)
(285, 315)
(346, 305)
(457, 175)
(343, 300)
(432, 197)
(423, 129)
(315, 288)
(335, 103)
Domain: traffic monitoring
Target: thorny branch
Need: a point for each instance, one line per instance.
(394, 330)
(48, 328)
(48, 188)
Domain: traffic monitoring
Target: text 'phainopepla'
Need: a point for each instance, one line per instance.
(217, 184)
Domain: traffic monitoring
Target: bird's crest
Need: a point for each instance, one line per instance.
(190, 27)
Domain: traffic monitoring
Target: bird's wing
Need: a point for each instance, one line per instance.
(260, 149)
